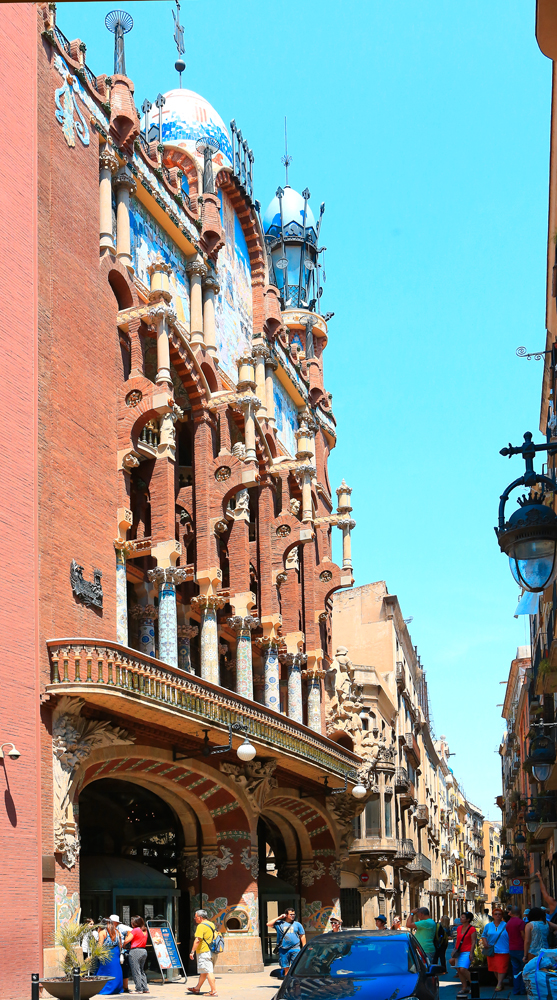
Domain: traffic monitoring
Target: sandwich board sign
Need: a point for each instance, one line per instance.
(165, 949)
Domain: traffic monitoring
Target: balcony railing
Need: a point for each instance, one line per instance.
(402, 781)
(109, 675)
(420, 865)
(422, 815)
(445, 885)
(405, 853)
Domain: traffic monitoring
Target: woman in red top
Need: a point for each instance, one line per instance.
(137, 939)
(465, 944)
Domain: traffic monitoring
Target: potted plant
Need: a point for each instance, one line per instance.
(70, 938)
(478, 959)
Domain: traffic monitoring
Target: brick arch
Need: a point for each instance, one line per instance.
(246, 217)
(190, 373)
(306, 814)
(196, 784)
(174, 157)
(118, 278)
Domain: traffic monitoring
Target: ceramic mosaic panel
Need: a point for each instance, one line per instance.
(314, 704)
(295, 709)
(316, 917)
(286, 416)
(67, 907)
(219, 909)
(121, 599)
(168, 637)
(155, 186)
(209, 646)
(244, 672)
(64, 70)
(272, 679)
(234, 303)
(148, 241)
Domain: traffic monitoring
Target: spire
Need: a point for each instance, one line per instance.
(179, 65)
(286, 159)
(119, 22)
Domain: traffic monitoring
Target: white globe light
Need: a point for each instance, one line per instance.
(246, 751)
(359, 791)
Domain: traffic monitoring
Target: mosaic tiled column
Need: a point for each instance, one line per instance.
(242, 625)
(314, 700)
(209, 636)
(272, 676)
(167, 578)
(146, 618)
(185, 634)
(121, 599)
(295, 704)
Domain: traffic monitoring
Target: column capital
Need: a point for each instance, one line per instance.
(197, 267)
(108, 160)
(187, 631)
(347, 524)
(161, 310)
(167, 574)
(292, 659)
(245, 402)
(267, 645)
(211, 282)
(243, 623)
(159, 264)
(144, 612)
(260, 351)
(271, 364)
(125, 179)
(205, 602)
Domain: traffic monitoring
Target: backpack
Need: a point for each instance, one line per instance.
(439, 936)
(217, 943)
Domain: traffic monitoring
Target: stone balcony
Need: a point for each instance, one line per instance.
(419, 868)
(405, 853)
(411, 749)
(422, 815)
(138, 688)
(375, 852)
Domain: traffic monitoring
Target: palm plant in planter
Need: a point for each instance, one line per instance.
(70, 938)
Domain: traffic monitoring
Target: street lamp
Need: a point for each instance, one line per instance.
(13, 753)
(541, 758)
(529, 537)
(520, 839)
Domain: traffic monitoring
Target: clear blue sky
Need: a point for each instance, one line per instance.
(425, 129)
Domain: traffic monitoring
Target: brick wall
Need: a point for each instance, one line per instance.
(20, 863)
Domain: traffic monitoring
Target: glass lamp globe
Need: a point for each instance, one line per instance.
(541, 772)
(529, 538)
(359, 791)
(246, 751)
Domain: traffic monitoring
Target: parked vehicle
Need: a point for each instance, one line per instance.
(374, 965)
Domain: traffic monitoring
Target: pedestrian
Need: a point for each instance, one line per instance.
(381, 923)
(396, 924)
(463, 950)
(536, 933)
(204, 935)
(549, 901)
(424, 928)
(123, 929)
(515, 930)
(336, 925)
(292, 938)
(441, 941)
(495, 943)
(136, 940)
(110, 936)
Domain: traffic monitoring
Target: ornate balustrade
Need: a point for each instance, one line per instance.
(420, 866)
(110, 676)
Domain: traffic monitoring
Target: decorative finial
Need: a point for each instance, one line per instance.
(119, 22)
(286, 159)
(179, 65)
(207, 146)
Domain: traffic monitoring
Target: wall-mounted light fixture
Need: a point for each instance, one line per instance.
(13, 752)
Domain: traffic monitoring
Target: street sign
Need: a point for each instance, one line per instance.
(164, 947)
(516, 890)
(364, 877)
(516, 881)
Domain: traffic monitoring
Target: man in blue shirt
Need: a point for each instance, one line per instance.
(290, 938)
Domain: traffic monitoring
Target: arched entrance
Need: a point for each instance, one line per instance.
(131, 847)
(278, 882)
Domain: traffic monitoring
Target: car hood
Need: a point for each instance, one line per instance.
(336, 987)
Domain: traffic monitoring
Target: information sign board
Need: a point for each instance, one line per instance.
(165, 947)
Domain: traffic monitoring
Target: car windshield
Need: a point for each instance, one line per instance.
(356, 956)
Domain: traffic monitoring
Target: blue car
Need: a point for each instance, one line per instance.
(369, 965)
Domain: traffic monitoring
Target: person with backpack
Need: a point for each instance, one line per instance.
(441, 940)
(291, 937)
(203, 944)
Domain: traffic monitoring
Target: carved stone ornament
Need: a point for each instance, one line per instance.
(294, 507)
(326, 576)
(90, 593)
(222, 474)
(211, 864)
(334, 871)
(251, 862)
(130, 461)
(344, 808)
(283, 530)
(239, 450)
(255, 778)
(134, 397)
(311, 875)
(189, 865)
(73, 740)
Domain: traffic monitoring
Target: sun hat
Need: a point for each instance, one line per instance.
(381, 917)
(115, 918)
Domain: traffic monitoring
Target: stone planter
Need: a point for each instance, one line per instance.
(62, 988)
